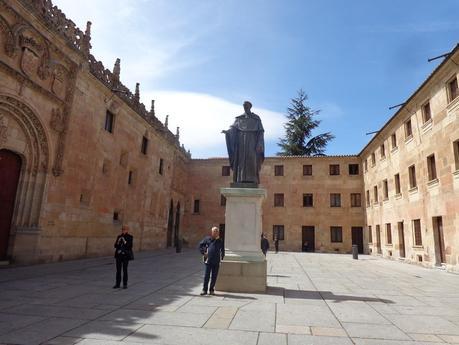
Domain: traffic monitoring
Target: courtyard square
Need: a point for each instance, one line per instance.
(311, 299)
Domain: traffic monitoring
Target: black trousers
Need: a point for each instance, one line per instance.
(210, 272)
(122, 263)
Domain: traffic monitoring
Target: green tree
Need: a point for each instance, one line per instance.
(298, 140)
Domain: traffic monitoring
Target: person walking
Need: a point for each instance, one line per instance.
(276, 243)
(211, 247)
(123, 254)
(264, 244)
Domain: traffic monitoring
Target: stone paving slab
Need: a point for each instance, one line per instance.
(317, 299)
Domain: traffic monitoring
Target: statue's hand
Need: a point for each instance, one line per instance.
(224, 132)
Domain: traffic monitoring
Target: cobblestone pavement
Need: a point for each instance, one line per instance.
(312, 299)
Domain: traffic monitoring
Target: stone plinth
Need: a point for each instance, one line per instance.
(244, 266)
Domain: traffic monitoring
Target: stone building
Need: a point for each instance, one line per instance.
(79, 155)
(411, 175)
(318, 200)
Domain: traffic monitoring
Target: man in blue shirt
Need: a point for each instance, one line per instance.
(211, 247)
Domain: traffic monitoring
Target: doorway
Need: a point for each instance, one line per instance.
(378, 239)
(10, 170)
(439, 241)
(357, 237)
(401, 239)
(177, 226)
(308, 239)
(170, 224)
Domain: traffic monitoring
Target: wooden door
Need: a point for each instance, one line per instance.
(439, 240)
(10, 169)
(357, 237)
(308, 239)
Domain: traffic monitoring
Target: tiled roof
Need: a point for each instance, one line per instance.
(280, 157)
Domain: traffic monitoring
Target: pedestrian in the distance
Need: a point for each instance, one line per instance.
(123, 254)
(264, 244)
(211, 247)
(276, 243)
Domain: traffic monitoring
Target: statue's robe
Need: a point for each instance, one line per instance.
(246, 148)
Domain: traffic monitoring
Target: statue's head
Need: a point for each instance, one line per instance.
(247, 106)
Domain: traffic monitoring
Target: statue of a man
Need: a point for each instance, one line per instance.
(246, 148)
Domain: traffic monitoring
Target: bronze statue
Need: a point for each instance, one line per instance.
(246, 148)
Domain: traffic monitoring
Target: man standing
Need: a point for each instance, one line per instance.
(123, 253)
(276, 243)
(264, 244)
(211, 247)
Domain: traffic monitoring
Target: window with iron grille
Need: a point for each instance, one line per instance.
(334, 169)
(109, 121)
(353, 169)
(417, 232)
(226, 170)
(307, 170)
(336, 234)
(388, 233)
(356, 200)
(431, 168)
(278, 200)
(278, 170)
(335, 200)
(308, 200)
(398, 189)
(412, 176)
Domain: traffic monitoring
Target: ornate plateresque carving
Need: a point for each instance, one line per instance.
(3, 130)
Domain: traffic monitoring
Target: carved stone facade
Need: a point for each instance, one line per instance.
(93, 157)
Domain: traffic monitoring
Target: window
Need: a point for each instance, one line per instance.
(373, 159)
(278, 200)
(412, 176)
(366, 165)
(308, 200)
(116, 216)
(278, 170)
(307, 170)
(226, 170)
(426, 113)
(398, 189)
(393, 139)
(131, 177)
(370, 235)
(453, 90)
(353, 169)
(336, 234)
(161, 166)
(408, 129)
(431, 168)
(335, 200)
(388, 234)
(334, 169)
(375, 194)
(109, 121)
(386, 189)
(196, 206)
(417, 232)
(368, 198)
(278, 230)
(456, 153)
(382, 149)
(356, 200)
(222, 200)
(144, 146)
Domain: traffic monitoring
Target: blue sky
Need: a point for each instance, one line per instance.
(201, 59)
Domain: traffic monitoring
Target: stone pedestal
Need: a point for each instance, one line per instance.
(244, 266)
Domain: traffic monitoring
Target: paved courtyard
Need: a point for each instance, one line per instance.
(312, 299)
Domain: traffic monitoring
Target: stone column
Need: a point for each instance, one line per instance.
(244, 266)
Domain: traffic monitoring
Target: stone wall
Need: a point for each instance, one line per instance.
(206, 180)
(434, 195)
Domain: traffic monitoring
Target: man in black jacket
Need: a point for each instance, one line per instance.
(212, 249)
(264, 244)
(123, 253)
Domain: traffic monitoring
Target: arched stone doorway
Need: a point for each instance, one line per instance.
(23, 135)
(170, 224)
(177, 225)
(10, 170)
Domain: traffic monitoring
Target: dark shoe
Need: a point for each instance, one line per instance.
(203, 293)
(124, 286)
(212, 292)
(116, 287)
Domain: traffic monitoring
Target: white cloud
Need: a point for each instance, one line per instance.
(202, 117)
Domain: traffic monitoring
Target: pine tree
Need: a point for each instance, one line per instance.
(298, 130)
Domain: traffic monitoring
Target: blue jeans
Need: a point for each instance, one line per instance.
(210, 269)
